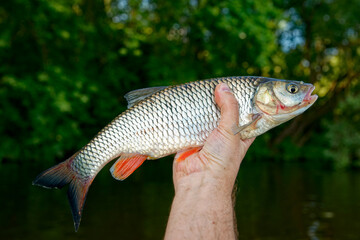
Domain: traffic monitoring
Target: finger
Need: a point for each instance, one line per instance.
(229, 107)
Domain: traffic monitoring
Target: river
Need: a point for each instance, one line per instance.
(274, 201)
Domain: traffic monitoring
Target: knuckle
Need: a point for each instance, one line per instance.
(225, 132)
(233, 104)
(229, 99)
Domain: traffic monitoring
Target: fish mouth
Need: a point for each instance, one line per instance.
(310, 99)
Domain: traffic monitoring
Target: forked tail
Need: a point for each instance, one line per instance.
(62, 174)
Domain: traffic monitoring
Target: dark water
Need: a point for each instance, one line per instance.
(273, 202)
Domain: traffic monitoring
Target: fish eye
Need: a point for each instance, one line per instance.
(292, 88)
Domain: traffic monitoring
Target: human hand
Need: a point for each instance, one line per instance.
(202, 207)
(218, 162)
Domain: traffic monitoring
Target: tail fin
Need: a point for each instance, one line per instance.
(60, 175)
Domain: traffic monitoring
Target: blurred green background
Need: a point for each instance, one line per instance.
(66, 64)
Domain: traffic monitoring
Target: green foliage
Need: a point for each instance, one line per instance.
(60, 78)
(65, 65)
(344, 134)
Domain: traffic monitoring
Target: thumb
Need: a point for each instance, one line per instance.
(229, 107)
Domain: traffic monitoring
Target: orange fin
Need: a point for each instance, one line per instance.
(182, 155)
(126, 165)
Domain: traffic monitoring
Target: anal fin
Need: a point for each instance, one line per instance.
(126, 165)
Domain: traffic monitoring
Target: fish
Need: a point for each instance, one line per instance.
(164, 120)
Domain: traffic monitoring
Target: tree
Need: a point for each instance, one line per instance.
(65, 65)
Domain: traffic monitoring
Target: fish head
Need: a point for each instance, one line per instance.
(282, 100)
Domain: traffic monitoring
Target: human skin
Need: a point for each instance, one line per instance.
(202, 207)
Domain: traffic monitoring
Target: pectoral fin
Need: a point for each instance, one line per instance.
(182, 155)
(255, 118)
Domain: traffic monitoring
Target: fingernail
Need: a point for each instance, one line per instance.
(225, 88)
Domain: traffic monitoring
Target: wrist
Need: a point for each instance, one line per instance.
(203, 184)
(201, 209)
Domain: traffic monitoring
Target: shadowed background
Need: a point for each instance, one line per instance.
(65, 65)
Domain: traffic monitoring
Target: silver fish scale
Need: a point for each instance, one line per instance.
(172, 119)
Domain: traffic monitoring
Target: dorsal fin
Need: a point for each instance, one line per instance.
(136, 96)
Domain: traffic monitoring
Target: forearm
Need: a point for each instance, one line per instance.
(201, 211)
